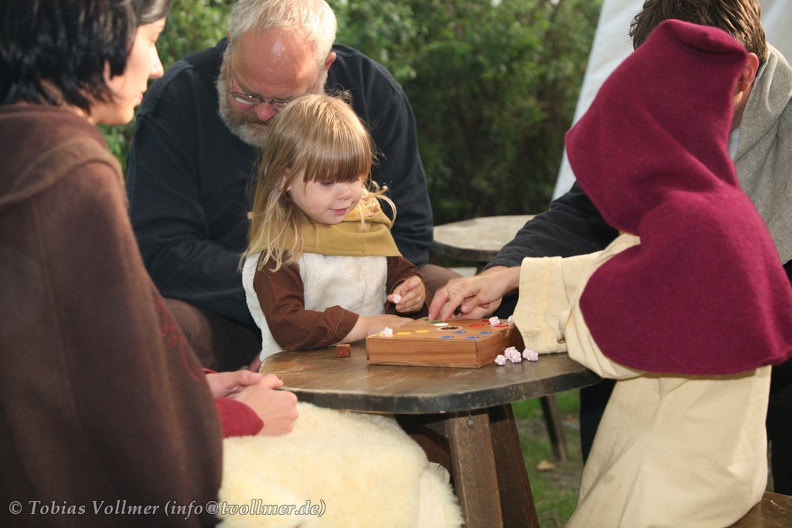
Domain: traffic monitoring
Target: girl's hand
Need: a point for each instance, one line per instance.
(409, 296)
(378, 323)
(375, 324)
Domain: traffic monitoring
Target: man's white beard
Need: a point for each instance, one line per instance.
(246, 126)
(251, 131)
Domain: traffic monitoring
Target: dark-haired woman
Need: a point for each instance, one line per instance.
(105, 414)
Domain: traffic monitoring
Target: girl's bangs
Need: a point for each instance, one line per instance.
(338, 163)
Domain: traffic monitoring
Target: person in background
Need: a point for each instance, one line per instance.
(196, 141)
(102, 399)
(321, 266)
(760, 143)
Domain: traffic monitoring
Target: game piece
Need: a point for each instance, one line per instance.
(343, 350)
(512, 355)
(469, 343)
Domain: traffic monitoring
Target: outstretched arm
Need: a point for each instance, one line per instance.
(572, 226)
(282, 299)
(474, 297)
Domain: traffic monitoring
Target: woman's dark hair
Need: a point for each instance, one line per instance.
(54, 51)
(149, 11)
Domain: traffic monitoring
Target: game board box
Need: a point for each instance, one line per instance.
(469, 343)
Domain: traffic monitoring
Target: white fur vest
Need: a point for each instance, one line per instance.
(357, 284)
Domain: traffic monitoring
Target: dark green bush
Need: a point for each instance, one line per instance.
(192, 25)
(493, 86)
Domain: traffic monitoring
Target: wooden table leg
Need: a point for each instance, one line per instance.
(474, 468)
(517, 503)
(555, 429)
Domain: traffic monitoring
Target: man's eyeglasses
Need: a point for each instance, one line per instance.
(253, 99)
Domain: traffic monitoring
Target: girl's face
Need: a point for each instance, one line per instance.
(128, 88)
(326, 202)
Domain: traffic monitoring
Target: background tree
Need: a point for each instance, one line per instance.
(493, 85)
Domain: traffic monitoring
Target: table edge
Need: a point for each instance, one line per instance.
(485, 398)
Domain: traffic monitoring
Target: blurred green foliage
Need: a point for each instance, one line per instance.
(192, 25)
(493, 85)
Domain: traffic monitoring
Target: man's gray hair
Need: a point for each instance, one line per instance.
(314, 20)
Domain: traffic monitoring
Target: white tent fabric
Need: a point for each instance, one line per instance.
(612, 44)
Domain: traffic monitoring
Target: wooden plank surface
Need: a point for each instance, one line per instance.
(478, 239)
(319, 377)
(774, 511)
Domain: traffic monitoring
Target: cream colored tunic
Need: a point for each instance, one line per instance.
(671, 450)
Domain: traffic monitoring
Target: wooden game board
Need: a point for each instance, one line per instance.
(470, 343)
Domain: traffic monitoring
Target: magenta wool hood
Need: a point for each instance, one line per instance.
(704, 293)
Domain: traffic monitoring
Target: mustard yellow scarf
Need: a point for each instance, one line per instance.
(351, 238)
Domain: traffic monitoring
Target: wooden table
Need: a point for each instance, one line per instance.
(479, 239)
(773, 511)
(468, 407)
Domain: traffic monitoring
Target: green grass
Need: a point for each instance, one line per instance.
(554, 486)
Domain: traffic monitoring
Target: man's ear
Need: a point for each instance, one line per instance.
(331, 57)
(748, 73)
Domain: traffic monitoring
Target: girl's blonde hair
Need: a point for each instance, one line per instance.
(317, 137)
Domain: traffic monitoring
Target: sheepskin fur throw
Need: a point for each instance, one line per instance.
(335, 469)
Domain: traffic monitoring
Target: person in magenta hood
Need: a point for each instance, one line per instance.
(687, 309)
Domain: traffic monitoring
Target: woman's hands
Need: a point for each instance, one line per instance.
(276, 408)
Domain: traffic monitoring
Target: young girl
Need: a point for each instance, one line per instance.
(321, 262)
